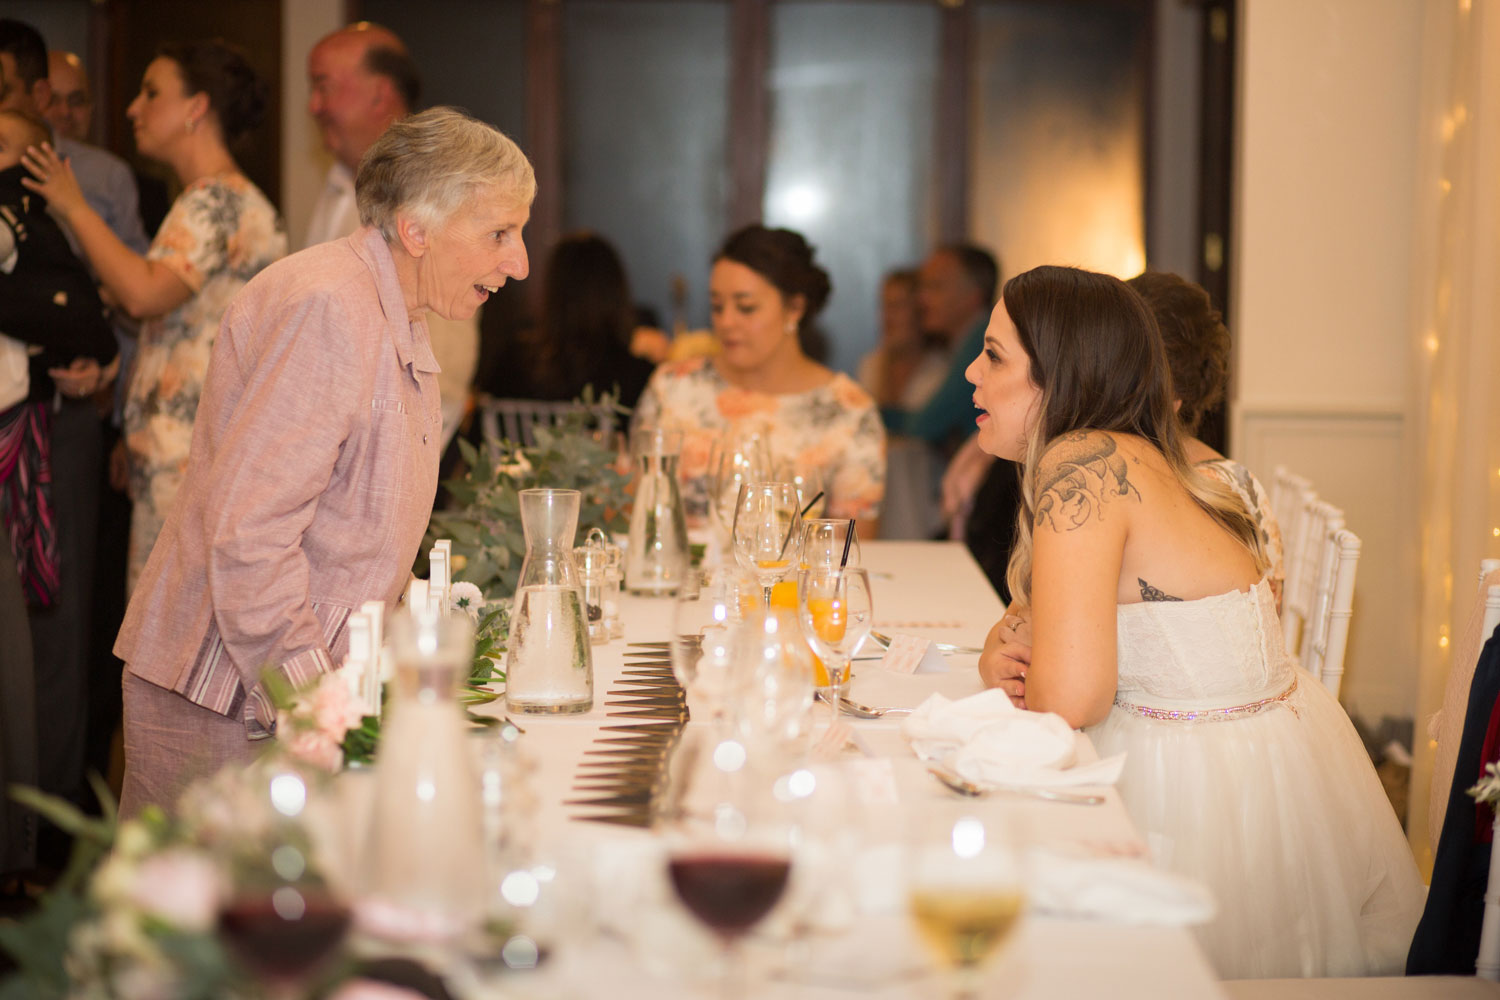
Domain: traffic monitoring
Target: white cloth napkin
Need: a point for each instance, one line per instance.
(987, 740)
(1118, 890)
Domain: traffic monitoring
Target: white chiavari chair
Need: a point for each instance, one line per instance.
(1333, 605)
(1286, 493)
(1303, 558)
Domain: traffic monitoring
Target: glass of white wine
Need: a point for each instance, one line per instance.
(965, 896)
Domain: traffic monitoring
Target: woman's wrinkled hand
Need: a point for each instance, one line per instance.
(1007, 657)
(54, 179)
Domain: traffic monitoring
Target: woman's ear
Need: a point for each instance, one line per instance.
(198, 108)
(796, 305)
(412, 234)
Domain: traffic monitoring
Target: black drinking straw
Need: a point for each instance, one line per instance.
(792, 527)
(848, 541)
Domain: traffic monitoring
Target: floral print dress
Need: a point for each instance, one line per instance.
(834, 428)
(220, 232)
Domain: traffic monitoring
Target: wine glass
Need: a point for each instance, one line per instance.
(776, 668)
(808, 480)
(765, 522)
(836, 611)
(965, 896)
(730, 860)
(704, 620)
(739, 456)
(282, 923)
(823, 543)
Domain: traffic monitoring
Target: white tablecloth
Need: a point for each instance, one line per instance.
(932, 589)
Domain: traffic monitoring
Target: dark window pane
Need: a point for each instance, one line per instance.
(850, 165)
(645, 95)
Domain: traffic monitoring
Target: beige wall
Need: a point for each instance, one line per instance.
(1327, 160)
(303, 161)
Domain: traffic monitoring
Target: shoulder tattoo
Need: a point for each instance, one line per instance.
(1082, 472)
(1150, 593)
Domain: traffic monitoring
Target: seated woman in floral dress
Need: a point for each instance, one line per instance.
(765, 291)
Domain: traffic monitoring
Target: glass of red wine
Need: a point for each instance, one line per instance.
(729, 858)
(282, 924)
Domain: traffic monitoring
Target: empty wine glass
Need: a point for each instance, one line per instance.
(704, 620)
(729, 858)
(765, 523)
(739, 456)
(810, 483)
(836, 611)
(965, 895)
(823, 541)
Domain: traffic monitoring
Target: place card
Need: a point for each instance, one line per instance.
(912, 654)
(440, 573)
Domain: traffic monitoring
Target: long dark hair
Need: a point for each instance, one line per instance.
(586, 313)
(1097, 356)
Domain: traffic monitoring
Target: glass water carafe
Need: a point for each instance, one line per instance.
(426, 836)
(656, 554)
(548, 665)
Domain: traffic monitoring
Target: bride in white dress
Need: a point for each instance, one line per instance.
(1153, 625)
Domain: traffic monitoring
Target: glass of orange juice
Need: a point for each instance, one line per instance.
(766, 518)
(836, 610)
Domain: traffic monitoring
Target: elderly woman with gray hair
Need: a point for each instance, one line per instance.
(315, 452)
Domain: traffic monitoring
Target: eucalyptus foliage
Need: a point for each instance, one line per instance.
(485, 521)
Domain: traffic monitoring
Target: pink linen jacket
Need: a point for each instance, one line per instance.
(309, 483)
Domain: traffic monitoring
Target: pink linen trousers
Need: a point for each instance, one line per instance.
(309, 484)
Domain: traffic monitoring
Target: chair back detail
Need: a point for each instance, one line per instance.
(1314, 521)
(516, 420)
(1333, 606)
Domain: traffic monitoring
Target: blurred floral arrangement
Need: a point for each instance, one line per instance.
(485, 524)
(135, 913)
(324, 726)
(1487, 789)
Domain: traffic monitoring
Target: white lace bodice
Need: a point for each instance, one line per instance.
(1214, 652)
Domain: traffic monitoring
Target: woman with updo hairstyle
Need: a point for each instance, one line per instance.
(765, 293)
(1197, 345)
(1153, 627)
(196, 100)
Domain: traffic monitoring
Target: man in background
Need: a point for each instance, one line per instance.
(956, 288)
(361, 78)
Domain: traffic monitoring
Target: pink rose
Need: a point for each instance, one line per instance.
(315, 748)
(334, 712)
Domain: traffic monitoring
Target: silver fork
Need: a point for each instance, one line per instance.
(963, 786)
(884, 640)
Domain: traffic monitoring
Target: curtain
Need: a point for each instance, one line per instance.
(1455, 325)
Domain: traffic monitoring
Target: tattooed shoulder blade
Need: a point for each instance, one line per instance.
(1080, 474)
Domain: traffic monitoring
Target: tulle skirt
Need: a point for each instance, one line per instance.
(1281, 814)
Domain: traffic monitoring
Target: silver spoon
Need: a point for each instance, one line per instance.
(963, 786)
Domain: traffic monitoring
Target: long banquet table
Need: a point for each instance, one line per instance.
(925, 588)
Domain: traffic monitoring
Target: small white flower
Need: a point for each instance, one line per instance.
(468, 597)
(179, 886)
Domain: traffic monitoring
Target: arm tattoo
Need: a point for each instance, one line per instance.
(1084, 471)
(1150, 593)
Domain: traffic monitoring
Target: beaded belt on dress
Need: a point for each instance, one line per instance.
(1208, 714)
